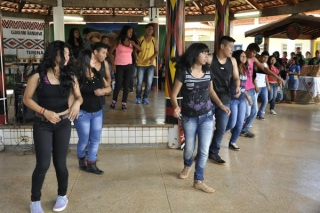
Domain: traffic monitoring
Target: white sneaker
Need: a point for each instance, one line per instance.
(273, 112)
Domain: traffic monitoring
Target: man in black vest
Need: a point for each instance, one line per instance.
(100, 51)
(225, 71)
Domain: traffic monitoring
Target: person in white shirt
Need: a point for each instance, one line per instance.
(262, 85)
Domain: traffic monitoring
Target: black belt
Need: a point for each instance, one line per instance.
(42, 118)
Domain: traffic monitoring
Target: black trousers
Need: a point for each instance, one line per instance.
(50, 139)
(123, 75)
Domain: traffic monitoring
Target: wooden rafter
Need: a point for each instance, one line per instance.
(49, 10)
(293, 1)
(254, 4)
(20, 6)
(199, 7)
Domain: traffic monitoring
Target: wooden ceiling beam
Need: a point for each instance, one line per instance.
(293, 1)
(26, 16)
(305, 6)
(202, 18)
(199, 7)
(316, 35)
(254, 4)
(111, 18)
(112, 3)
(44, 2)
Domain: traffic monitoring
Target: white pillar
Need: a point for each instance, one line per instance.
(291, 46)
(231, 26)
(58, 21)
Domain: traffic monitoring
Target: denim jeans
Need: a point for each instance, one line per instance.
(50, 139)
(89, 127)
(273, 94)
(263, 93)
(144, 72)
(222, 119)
(201, 126)
(238, 112)
(251, 111)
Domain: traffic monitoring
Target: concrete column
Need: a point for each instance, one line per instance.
(175, 19)
(58, 19)
(221, 21)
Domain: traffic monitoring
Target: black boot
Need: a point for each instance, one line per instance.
(82, 164)
(91, 167)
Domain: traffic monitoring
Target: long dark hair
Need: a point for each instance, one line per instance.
(269, 60)
(83, 64)
(123, 34)
(54, 50)
(241, 67)
(71, 37)
(190, 57)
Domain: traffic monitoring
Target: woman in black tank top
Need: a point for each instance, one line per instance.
(53, 81)
(89, 123)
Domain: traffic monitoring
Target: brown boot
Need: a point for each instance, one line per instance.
(202, 186)
(185, 172)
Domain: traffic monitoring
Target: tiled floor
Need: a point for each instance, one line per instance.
(277, 171)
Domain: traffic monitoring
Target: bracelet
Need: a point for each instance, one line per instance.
(41, 110)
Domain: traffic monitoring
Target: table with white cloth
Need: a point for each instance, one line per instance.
(308, 91)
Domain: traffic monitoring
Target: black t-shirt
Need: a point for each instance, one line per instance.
(91, 102)
(195, 92)
(222, 76)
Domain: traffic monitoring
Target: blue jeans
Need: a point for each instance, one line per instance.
(201, 126)
(273, 94)
(264, 100)
(251, 111)
(238, 112)
(222, 119)
(89, 127)
(142, 71)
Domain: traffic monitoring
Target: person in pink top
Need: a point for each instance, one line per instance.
(273, 84)
(251, 112)
(122, 63)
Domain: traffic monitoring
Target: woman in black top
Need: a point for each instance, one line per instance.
(75, 41)
(53, 82)
(89, 122)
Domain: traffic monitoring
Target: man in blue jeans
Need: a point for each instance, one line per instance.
(224, 67)
(146, 63)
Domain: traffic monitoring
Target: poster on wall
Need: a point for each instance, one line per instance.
(112, 30)
(23, 44)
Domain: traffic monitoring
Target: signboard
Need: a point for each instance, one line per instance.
(23, 39)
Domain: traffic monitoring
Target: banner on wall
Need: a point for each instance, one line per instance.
(23, 40)
(110, 29)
